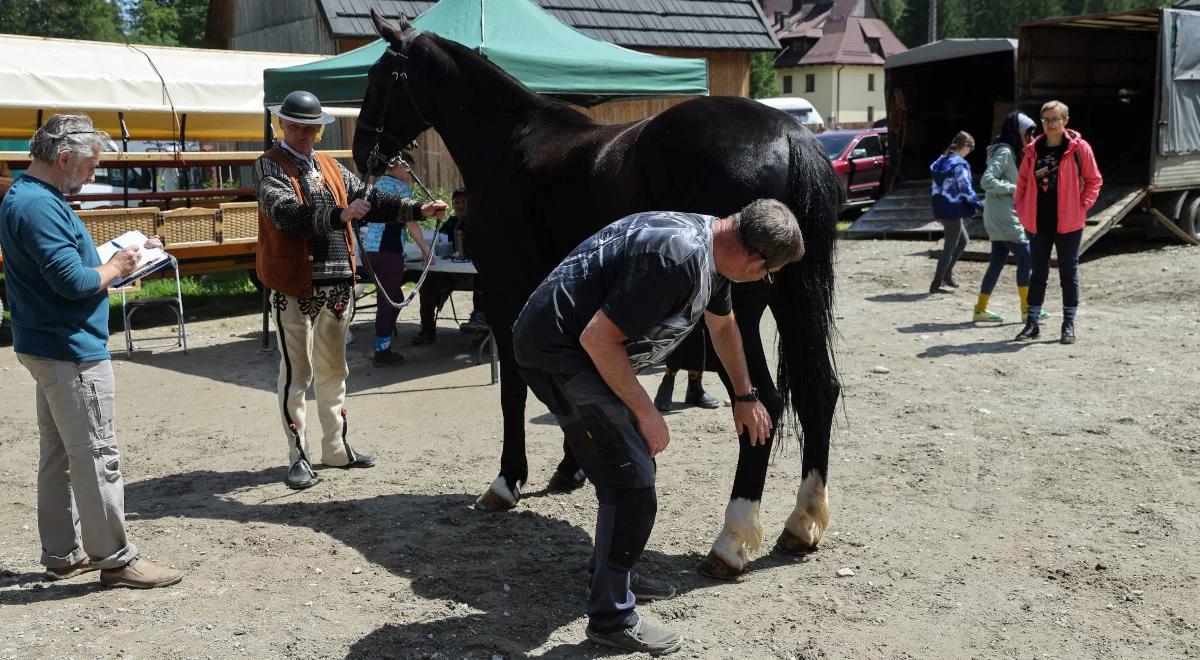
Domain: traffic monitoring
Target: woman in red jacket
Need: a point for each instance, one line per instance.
(1057, 184)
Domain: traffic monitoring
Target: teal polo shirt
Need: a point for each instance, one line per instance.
(58, 311)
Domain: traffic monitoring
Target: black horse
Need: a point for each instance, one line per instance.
(542, 177)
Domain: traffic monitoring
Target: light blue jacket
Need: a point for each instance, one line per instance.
(1000, 183)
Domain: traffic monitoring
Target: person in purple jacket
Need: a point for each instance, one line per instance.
(954, 200)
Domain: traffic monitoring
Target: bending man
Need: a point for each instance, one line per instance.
(618, 304)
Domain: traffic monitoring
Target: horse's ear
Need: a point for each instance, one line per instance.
(392, 34)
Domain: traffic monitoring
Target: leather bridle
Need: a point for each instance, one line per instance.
(375, 157)
(398, 74)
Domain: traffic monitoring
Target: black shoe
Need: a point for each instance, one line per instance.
(1068, 332)
(1031, 332)
(477, 322)
(949, 281)
(386, 358)
(645, 588)
(939, 287)
(641, 638)
(696, 396)
(361, 460)
(425, 336)
(301, 476)
(666, 390)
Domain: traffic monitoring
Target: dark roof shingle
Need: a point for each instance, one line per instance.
(669, 24)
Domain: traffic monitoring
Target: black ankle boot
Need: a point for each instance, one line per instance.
(1030, 332)
(1068, 332)
(696, 396)
(666, 390)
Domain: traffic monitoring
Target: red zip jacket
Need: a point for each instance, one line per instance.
(1077, 191)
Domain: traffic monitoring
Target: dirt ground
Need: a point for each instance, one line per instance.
(992, 499)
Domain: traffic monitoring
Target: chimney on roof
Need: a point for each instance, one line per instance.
(779, 17)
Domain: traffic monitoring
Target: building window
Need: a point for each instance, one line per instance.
(810, 82)
(870, 82)
(787, 84)
(871, 113)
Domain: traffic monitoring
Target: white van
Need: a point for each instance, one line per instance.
(799, 108)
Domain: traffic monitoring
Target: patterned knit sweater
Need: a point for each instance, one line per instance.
(317, 215)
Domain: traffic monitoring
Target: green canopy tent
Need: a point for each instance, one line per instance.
(518, 36)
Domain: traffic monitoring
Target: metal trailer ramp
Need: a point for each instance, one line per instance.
(905, 213)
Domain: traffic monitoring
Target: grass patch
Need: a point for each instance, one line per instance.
(204, 297)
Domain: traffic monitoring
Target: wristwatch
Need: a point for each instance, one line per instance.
(751, 397)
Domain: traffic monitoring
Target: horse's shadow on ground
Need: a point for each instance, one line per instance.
(448, 551)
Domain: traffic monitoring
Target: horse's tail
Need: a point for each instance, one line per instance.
(807, 371)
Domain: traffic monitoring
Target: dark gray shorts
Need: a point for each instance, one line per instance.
(601, 431)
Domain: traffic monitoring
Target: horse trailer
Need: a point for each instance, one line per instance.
(1132, 83)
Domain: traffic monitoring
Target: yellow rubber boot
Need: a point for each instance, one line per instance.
(1023, 294)
(982, 303)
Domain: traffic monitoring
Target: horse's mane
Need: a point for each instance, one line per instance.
(503, 89)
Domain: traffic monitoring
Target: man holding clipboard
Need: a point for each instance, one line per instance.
(58, 289)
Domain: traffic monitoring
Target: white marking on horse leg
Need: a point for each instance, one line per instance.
(498, 497)
(499, 487)
(810, 518)
(741, 533)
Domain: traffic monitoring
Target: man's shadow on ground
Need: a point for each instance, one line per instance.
(448, 551)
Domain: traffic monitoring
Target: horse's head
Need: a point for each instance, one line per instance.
(395, 107)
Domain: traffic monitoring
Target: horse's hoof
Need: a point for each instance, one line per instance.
(718, 569)
(562, 482)
(490, 502)
(498, 497)
(791, 544)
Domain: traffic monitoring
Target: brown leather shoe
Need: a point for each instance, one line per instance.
(64, 572)
(140, 574)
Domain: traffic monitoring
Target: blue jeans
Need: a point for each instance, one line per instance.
(1000, 250)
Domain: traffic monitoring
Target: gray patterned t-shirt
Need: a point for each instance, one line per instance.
(652, 273)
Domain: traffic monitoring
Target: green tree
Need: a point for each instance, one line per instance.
(168, 22)
(96, 20)
(763, 81)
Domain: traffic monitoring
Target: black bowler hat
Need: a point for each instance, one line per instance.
(302, 108)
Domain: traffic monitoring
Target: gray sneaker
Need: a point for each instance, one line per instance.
(647, 588)
(641, 638)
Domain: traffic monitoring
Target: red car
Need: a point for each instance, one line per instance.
(859, 157)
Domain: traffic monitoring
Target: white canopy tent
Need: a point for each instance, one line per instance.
(210, 94)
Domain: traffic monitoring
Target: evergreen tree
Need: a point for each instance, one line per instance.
(168, 22)
(763, 82)
(96, 20)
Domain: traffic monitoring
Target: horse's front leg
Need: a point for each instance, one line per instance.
(742, 532)
(505, 490)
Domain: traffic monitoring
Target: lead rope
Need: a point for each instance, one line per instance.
(371, 160)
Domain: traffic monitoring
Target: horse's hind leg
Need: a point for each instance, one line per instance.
(809, 519)
(568, 476)
(742, 532)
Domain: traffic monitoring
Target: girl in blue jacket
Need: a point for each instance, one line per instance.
(954, 200)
